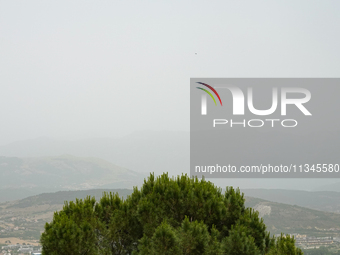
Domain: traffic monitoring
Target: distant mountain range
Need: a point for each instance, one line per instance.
(144, 151)
(21, 177)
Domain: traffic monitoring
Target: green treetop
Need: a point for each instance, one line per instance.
(166, 216)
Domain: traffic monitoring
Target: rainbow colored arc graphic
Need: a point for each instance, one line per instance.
(208, 92)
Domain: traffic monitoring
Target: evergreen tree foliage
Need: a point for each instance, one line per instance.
(239, 242)
(182, 215)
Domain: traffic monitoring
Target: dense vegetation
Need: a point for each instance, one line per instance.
(166, 216)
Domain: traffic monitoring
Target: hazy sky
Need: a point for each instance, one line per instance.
(107, 68)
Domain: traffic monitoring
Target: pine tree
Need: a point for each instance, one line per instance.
(184, 216)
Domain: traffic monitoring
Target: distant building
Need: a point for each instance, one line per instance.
(26, 250)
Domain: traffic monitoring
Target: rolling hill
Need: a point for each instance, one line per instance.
(294, 219)
(328, 201)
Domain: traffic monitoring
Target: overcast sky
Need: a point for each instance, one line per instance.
(108, 68)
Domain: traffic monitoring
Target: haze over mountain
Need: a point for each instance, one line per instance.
(145, 151)
(21, 177)
(153, 151)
